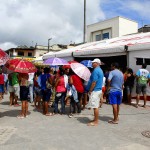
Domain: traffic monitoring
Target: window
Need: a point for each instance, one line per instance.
(147, 61)
(29, 54)
(20, 53)
(139, 61)
(105, 36)
(98, 37)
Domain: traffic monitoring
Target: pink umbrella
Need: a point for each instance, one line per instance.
(3, 57)
(82, 71)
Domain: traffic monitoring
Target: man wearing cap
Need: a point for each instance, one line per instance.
(95, 90)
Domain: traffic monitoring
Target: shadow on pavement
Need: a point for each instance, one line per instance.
(105, 118)
(83, 120)
(4, 103)
(11, 113)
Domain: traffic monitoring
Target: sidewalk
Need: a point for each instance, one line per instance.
(141, 102)
(59, 132)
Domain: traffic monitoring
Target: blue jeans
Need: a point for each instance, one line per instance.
(60, 97)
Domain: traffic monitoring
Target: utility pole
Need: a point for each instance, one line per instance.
(49, 43)
(84, 33)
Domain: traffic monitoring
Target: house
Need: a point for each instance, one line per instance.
(22, 52)
(146, 28)
(111, 28)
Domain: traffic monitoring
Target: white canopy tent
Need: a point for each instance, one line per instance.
(38, 59)
(110, 47)
(113, 47)
(48, 55)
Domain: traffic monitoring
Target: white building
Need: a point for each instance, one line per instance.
(111, 28)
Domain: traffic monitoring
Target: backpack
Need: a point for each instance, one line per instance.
(142, 80)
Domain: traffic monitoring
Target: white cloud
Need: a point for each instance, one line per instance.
(7, 45)
(24, 21)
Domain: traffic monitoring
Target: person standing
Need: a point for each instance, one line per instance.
(1, 85)
(16, 87)
(128, 85)
(60, 89)
(95, 90)
(24, 91)
(11, 89)
(115, 86)
(31, 76)
(142, 78)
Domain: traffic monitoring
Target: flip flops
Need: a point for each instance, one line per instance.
(92, 124)
(112, 122)
(49, 114)
(20, 117)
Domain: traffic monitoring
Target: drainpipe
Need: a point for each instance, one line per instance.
(127, 54)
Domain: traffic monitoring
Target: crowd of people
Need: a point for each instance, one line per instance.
(47, 88)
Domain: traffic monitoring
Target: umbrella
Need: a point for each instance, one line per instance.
(3, 57)
(69, 63)
(82, 71)
(20, 65)
(55, 61)
(87, 63)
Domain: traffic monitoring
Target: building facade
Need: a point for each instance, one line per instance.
(111, 28)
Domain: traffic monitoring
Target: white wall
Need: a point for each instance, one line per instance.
(132, 64)
(127, 26)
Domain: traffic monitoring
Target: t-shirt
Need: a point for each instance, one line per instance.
(43, 79)
(15, 79)
(96, 76)
(31, 76)
(1, 79)
(117, 80)
(77, 82)
(143, 75)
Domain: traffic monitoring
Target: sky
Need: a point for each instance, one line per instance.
(27, 22)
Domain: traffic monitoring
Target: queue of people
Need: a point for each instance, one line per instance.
(46, 88)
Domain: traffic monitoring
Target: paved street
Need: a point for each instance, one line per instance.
(38, 132)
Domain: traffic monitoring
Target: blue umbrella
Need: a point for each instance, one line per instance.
(87, 63)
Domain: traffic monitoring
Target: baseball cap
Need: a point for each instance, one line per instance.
(97, 61)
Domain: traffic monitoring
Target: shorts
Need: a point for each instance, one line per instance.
(24, 92)
(46, 94)
(1, 88)
(128, 90)
(141, 88)
(115, 97)
(11, 89)
(16, 90)
(37, 91)
(94, 99)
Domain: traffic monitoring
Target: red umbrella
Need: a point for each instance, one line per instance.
(69, 62)
(3, 57)
(20, 65)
